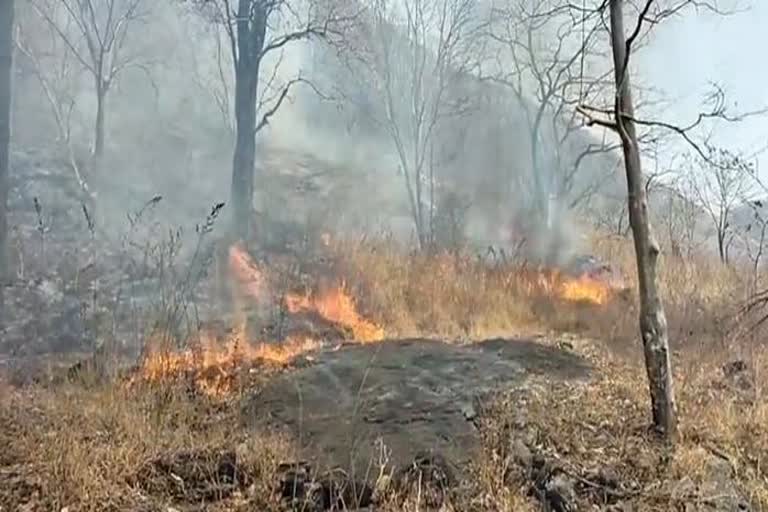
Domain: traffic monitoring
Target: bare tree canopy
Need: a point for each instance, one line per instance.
(256, 29)
(95, 32)
(552, 60)
(415, 53)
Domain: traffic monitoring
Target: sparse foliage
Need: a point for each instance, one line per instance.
(552, 60)
(57, 71)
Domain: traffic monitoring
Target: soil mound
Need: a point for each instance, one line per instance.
(408, 396)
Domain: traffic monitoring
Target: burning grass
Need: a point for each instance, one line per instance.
(153, 443)
(459, 296)
(218, 367)
(438, 290)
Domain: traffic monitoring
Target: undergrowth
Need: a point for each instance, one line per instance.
(107, 447)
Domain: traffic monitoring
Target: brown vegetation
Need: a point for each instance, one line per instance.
(160, 443)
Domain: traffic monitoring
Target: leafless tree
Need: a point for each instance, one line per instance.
(96, 31)
(620, 118)
(6, 71)
(257, 29)
(550, 57)
(754, 237)
(412, 53)
(219, 85)
(722, 182)
(653, 322)
(680, 216)
(56, 69)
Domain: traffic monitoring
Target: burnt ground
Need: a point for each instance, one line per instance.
(414, 395)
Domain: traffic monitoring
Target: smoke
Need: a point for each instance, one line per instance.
(322, 158)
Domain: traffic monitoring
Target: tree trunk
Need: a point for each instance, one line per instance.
(251, 31)
(6, 71)
(244, 158)
(541, 194)
(653, 322)
(98, 135)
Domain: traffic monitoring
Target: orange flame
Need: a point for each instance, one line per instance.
(554, 284)
(585, 289)
(246, 273)
(215, 366)
(336, 305)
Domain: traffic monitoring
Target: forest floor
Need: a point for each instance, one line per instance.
(403, 381)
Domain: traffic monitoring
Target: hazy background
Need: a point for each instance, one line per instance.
(685, 54)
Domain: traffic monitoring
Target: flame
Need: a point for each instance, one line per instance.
(585, 289)
(552, 283)
(216, 366)
(246, 273)
(336, 305)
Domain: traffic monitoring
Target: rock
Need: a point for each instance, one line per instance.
(293, 479)
(193, 476)
(412, 395)
(338, 492)
(719, 490)
(737, 375)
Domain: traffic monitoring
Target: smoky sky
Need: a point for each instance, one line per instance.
(689, 52)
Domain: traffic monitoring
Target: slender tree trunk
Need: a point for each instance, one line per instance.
(98, 135)
(251, 31)
(540, 201)
(653, 322)
(6, 70)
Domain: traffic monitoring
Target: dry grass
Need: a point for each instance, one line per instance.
(602, 427)
(99, 448)
(90, 449)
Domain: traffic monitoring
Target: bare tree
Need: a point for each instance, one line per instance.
(549, 58)
(97, 39)
(653, 322)
(722, 182)
(680, 216)
(412, 53)
(218, 85)
(754, 237)
(256, 29)
(6, 71)
(56, 69)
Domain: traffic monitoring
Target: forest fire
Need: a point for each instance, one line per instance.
(214, 365)
(582, 289)
(337, 306)
(585, 289)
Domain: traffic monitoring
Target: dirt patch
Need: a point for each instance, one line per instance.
(363, 405)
